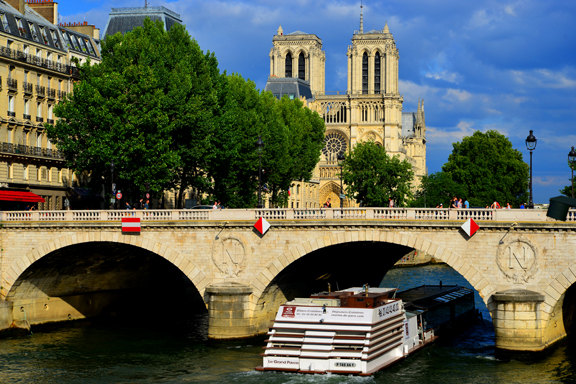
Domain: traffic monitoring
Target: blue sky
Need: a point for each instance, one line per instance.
(479, 65)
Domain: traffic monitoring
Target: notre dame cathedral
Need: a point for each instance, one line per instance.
(370, 108)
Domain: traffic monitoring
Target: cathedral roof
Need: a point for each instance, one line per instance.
(292, 87)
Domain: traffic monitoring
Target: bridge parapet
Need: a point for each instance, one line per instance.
(425, 214)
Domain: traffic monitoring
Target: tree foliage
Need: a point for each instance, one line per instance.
(567, 190)
(487, 168)
(372, 177)
(437, 188)
(159, 108)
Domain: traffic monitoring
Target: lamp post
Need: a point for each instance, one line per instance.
(259, 148)
(113, 186)
(340, 161)
(572, 161)
(531, 146)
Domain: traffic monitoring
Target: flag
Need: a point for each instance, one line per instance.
(130, 224)
(262, 225)
(470, 227)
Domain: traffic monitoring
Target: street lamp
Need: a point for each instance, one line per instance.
(572, 161)
(340, 161)
(259, 148)
(531, 146)
(113, 186)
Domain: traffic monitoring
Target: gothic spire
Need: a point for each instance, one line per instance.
(386, 29)
(361, 18)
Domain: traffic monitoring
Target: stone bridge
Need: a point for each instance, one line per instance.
(60, 265)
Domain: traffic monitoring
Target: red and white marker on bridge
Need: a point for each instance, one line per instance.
(470, 227)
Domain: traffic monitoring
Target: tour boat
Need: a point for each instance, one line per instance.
(359, 330)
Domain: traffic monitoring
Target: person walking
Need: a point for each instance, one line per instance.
(466, 204)
(146, 204)
(454, 202)
(328, 203)
(128, 207)
(460, 203)
(508, 206)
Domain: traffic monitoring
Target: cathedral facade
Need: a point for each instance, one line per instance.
(369, 109)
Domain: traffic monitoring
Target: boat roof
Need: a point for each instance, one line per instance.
(370, 290)
(429, 295)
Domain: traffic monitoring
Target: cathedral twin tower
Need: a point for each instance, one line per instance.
(370, 108)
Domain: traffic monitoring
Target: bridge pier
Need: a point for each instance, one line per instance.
(518, 324)
(230, 315)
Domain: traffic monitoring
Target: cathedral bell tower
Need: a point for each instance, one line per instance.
(372, 62)
(298, 55)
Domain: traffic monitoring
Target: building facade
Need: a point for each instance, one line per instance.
(369, 109)
(36, 72)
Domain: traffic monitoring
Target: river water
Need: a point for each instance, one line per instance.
(176, 352)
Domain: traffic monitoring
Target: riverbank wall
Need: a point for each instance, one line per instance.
(415, 259)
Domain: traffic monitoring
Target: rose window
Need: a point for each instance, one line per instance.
(334, 144)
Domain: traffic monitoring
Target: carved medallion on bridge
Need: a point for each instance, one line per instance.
(229, 255)
(517, 259)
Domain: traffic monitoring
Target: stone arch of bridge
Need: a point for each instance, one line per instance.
(188, 268)
(439, 252)
(559, 307)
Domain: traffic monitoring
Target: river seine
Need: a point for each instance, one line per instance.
(176, 352)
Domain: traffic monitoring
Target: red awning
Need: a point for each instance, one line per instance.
(28, 197)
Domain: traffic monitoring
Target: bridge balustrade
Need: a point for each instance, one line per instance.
(428, 214)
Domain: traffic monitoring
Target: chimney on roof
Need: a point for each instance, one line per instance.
(18, 4)
(48, 9)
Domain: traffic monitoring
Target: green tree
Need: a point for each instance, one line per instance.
(371, 176)
(488, 169)
(147, 106)
(244, 114)
(295, 147)
(567, 190)
(435, 189)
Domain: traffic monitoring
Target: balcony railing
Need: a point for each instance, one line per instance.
(30, 151)
(61, 95)
(38, 61)
(27, 87)
(40, 91)
(26, 117)
(12, 83)
(50, 121)
(51, 93)
(39, 119)
(12, 113)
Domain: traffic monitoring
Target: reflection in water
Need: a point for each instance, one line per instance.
(100, 352)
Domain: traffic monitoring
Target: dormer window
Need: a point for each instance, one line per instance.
(34, 32)
(21, 29)
(66, 39)
(44, 35)
(89, 45)
(5, 24)
(74, 42)
(55, 39)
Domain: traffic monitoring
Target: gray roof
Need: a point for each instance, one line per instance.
(126, 19)
(408, 123)
(293, 87)
(37, 29)
(297, 33)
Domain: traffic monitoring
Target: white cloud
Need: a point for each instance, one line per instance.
(545, 78)
(550, 181)
(452, 77)
(460, 95)
(445, 137)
